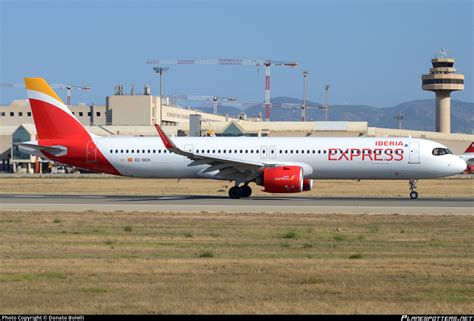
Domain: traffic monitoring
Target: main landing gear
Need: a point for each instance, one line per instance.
(238, 192)
(413, 193)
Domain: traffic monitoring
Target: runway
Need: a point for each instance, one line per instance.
(257, 204)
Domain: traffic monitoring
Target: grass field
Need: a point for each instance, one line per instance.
(133, 186)
(120, 262)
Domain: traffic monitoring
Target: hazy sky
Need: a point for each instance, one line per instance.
(371, 52)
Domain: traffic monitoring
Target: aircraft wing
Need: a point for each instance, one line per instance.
(227, 167)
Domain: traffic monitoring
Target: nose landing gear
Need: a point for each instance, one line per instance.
(413, 193)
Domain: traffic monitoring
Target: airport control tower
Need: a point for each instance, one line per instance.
(443, 80)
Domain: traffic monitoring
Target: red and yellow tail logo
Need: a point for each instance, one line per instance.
(53, 119)
(56, 125)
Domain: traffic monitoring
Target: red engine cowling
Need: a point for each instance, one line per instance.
(307, 184)
(283, 179)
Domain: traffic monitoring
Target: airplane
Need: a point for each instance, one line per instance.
(279, 164)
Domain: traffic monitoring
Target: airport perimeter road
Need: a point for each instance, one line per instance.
(275, 204)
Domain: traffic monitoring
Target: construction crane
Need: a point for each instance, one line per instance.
(233, 62)
(68, 88)
(215, 99)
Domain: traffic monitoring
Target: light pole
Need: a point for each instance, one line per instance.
(303, 112)
(399, 118)
(326, 97)
(161, 71)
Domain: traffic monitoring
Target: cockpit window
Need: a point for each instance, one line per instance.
(441, 151)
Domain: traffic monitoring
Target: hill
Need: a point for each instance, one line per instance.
(418, 114)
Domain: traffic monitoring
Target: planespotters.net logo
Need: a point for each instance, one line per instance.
(437, 318)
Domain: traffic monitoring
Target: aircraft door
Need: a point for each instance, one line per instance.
(414, 157)
(263, 152)
(91, 152)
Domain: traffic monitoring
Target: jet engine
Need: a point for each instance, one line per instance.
(282, 179)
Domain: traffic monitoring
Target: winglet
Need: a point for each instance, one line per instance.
(166, 141)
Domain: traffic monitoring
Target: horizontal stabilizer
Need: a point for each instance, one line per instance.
(33, 149)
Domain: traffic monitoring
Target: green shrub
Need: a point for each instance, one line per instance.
(290, 235)
(206, 254)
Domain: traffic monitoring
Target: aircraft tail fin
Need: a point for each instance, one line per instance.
(470, 149)
(53, 119)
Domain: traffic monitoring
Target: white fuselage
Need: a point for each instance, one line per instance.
(328, 158)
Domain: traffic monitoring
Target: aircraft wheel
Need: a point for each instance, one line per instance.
(246, 191)
(413, 195)
(235, 192)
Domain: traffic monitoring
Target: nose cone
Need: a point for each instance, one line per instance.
(459, 165)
